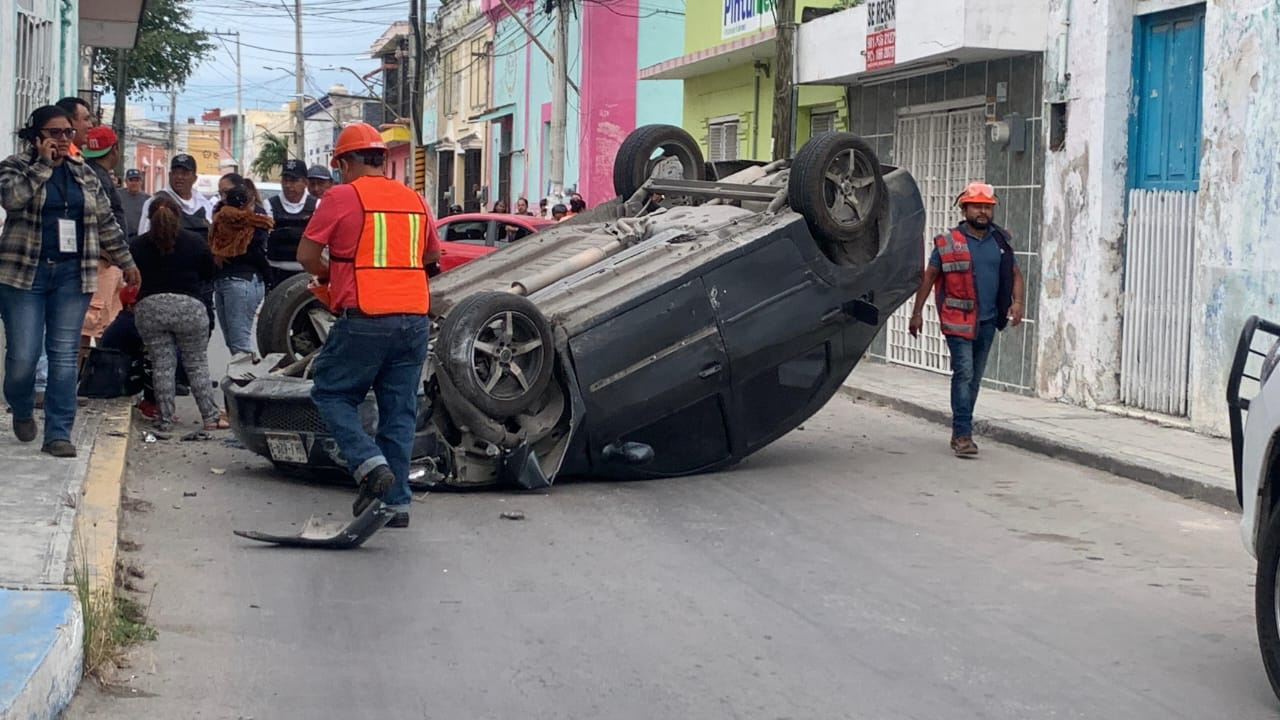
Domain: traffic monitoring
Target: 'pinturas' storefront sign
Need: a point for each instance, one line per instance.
(745, 16)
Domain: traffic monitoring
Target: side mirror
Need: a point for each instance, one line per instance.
(863, 310)
(627, 453)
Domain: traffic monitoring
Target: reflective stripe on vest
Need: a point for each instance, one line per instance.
(957, 295)
(961, 330)
(389, 276)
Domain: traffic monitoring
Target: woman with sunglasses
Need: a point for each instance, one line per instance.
(59, 222)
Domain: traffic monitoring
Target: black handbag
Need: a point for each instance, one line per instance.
(109, 373)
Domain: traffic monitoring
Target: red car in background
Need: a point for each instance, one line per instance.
(467, 236)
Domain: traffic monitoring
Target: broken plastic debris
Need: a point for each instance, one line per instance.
(149, 437)
(197, 435)
(218, 471)
(513, 515)
(189, 493)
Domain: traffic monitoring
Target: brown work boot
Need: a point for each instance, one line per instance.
(963, 446)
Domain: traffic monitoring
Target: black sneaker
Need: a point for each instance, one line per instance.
(372, 486)
(25, 430)
(399, 520)
(59, 448)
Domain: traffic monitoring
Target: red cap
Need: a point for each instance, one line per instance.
(99, 141)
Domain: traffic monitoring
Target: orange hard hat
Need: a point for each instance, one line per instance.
(978, 193)
(356, 136)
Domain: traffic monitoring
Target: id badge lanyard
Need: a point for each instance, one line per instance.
(66, 225)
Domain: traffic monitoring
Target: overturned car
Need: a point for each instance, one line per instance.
(702, 314)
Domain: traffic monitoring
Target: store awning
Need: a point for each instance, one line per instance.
(110, 23)
(746, 49)
(395, 135)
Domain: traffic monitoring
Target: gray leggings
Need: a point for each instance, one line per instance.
(169, 324)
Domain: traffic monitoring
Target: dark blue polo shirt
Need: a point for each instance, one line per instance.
(985, 252)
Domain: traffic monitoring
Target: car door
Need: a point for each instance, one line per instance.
(461, 240)
(657, 374)
(778, 333)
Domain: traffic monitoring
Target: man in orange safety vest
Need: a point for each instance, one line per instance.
(380, 238)
(978, 290)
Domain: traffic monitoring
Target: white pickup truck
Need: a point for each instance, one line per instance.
(1253, 400)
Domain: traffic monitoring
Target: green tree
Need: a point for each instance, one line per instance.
(271, 155)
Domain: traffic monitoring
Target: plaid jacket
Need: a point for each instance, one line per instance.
(22, 195)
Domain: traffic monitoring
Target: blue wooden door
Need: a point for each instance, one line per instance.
(1164, 137)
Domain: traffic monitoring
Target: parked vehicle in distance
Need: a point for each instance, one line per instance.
(676, 329)
(467, 236)
(1253, 404)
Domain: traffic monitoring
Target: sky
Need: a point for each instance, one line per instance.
(335, 33)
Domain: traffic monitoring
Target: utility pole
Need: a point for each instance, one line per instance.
(784, 77)
(237, 139)
(559, 99)
(300, 119)
(118, 116)
(414, 63)
(173, 129)
(237, 142)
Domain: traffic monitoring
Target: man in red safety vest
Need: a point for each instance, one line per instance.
(978, 289)
(381, 239)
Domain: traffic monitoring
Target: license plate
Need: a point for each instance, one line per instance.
(287, 448)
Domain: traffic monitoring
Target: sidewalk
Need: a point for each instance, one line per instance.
(1170, 458)
(51, 510)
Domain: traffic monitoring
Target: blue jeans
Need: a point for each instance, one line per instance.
(49, 315)
(385, 354)
(42, 372)
(968, 362)
(237, 299)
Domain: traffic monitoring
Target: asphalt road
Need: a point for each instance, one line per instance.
(852, 570)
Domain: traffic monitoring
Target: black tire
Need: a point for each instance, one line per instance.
(493, 332)
(283, 324)
(837, 185)
(1265, 598)
(636, 157)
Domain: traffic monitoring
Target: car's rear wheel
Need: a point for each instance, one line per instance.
(497, 350)
(651, 146)
(837, 185)
(1266, 598)
(293, 321)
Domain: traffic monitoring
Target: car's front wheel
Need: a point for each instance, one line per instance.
(497, 350)
(293, 321)
(1266, 597)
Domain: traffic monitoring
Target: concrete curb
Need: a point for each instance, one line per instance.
(55, 657)
(97, 524)
(1171, 479)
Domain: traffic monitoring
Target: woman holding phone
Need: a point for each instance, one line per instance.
(59, 223)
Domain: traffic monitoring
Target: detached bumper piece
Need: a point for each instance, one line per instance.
(330, 534)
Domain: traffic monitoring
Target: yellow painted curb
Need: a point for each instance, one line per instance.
(97, 522)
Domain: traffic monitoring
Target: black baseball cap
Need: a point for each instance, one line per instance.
(293, 168)
(319, 172)
(132, 174)
(184, 161)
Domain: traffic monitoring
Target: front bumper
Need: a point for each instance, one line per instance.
(273, 416)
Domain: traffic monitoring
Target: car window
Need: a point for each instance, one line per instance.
(471, 232)
(515, 232)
